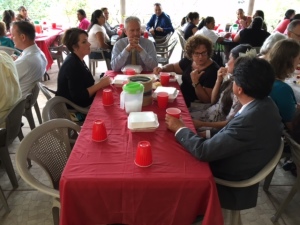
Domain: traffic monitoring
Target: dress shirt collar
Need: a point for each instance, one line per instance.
(244, 106)
(30, 49)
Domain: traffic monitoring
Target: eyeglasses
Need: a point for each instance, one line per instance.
(197, 54)
(298, 35)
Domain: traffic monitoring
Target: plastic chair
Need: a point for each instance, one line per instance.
(235, 214)
(45, 90)
(56, 50)
(3, 200)
(8, 135)
(56, 107)
(93, 62)
(31, 100)
(182, 42)
(10, 51)
(49, 146)
(165, 60)
(161, 39)
(295, 149)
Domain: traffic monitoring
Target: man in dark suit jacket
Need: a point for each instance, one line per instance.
(250, 139)
(160, 23)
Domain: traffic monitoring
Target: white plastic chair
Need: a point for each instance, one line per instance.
(9, 50)
(235, 214)
(93, 62)
(295, 149)
(48, 145)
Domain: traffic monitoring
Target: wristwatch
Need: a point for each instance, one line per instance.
(195, 85)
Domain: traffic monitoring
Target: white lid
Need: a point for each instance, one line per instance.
(120, 78)
(136, 68)
(138, 120)
(170, 90)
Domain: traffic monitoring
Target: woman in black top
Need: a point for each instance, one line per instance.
(191, 27)
(199, 71)
(254, 35)
(75, 81)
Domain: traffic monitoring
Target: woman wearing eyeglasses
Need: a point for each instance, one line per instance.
(199, 71)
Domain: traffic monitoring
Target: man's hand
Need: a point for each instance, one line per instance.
(173, 123)
(152, 31)
(157, 70)
(159, 29)
(134, 44)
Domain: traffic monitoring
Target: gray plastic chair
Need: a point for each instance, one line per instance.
(3, 200)
(8, 135)
(182, 42)
(56, 107)
(56, 50)
(93, 62)
(295, 149)
(9, 50)
(31, 100)
(48, 145)
(45, 90)
(235, 214)
(168, 53)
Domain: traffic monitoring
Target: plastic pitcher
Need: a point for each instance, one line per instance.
(234, 28)
(131, 97)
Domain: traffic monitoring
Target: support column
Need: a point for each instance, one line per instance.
(250, 7)
(123, 10)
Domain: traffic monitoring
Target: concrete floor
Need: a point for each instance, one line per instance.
(30, 207)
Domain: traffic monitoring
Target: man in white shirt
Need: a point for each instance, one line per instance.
(31, 64)
(133, 49)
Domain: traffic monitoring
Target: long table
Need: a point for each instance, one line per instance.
(101, 184)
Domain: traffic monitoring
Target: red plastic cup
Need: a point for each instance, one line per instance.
(143, 157)
(233, 35)
(121, 26)
(130, 72)
(53, 25)
(99, 131)
(175, 112)
(107, 97)
(162, 99)
(38, 29)
(146, 34)
(164, 79)
(119, 32)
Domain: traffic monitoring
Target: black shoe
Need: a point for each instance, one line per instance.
(289, 166)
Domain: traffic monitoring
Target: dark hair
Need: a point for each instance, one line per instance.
(8, 16)
(21, 7)
(183, 21)
(157, 4)
(227, 85)
(289, 13)
(296, 17)
(292, 25)
(81, 12)
(26, 28)
(205, 21)
(193, 15)
(94, 20)
(260, 13)
(103, 9)
(257, 23)
(2, 29)
(71, 37)
(254, 75)
(295, 132)
(282, 57)
(194, 42)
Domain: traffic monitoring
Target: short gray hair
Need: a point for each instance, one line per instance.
(270, 41)
(132, 18)
(293, 24)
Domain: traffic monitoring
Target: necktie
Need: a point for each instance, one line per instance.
(133, 57)
(155, 24)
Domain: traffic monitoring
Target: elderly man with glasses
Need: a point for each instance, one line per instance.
(294, 30)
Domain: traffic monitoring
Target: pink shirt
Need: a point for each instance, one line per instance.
(84, 24)
(282, 26)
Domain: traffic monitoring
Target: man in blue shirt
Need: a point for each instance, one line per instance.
(160, 23)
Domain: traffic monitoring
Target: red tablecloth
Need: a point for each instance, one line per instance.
(101, 184)
(45, 40)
